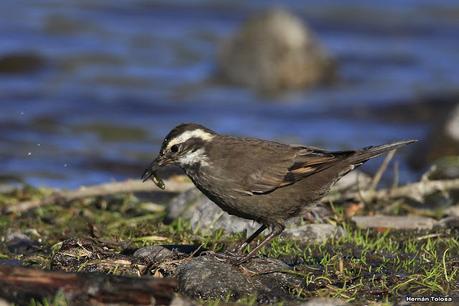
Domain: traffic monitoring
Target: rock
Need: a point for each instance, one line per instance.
(324, 302)
(206, 277)
(444, 168)
(395, 222)
(272, 286)
(19, 243)
(10, 262)
(352, 181)
(205, 215)
(160, 253)
(314, 232)
(155, 253)
(20, 63)
(182, 301)
(274, 51)
(452, 211)
(10, 187)
(448, 222)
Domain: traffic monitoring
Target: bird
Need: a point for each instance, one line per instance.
(265, 181)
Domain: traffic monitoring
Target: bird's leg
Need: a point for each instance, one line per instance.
(240, 248)
(277, 229)
(235, 254)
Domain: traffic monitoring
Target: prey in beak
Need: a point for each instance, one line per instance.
(150, 172)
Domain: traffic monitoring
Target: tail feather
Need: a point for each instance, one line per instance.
(367, 153)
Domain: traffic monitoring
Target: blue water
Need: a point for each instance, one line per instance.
(143, 67)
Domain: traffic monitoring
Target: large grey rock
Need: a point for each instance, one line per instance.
(209, 278)
(395, 222)
(272, 51)
(205, 215)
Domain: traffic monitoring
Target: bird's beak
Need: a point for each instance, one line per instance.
(153, 167)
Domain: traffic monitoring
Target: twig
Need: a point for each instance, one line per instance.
(396, 175)
(128, 186)
(382, 169)
(415, 191)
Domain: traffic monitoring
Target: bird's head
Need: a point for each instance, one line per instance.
(183, 146)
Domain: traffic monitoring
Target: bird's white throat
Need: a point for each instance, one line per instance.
(192, 158)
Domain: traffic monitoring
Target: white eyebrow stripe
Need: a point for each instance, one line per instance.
(190, 134)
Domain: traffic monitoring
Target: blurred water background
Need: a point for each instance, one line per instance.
(103, 81)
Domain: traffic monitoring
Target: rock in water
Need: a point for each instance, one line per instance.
(274, 51)
(20, 63)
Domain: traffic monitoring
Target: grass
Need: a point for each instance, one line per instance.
(361, 266)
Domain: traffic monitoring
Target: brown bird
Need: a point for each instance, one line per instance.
(260, 180)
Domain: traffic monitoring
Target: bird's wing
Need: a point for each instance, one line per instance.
(294, 165)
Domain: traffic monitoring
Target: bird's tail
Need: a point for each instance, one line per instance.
(367, 153)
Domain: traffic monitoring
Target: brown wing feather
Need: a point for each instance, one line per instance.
(300, 163)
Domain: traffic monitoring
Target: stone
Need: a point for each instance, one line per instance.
(445, 168)
(451, 222)
(310, 233)
(352, 182)
(273, 51)
(19, 243)
(205, 215)
(179, 300)
(395, 222)
(20, 63)
(155, 253)
(452, 211)
(160, 253)
(206, 277)
(324, 302)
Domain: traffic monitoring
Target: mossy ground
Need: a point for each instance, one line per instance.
(362, 266)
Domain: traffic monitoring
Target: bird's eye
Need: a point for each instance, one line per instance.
(174, 149)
